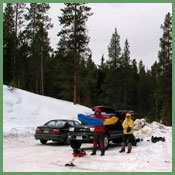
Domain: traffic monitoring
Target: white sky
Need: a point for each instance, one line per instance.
(138, 22)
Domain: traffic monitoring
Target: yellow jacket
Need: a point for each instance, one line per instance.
(128, 122)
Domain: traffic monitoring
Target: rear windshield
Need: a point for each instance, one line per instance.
(56, 123)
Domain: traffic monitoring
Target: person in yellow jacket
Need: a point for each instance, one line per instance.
(128, 126)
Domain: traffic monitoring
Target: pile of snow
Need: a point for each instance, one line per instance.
(139, 123)
(24, 111)
(142, 129)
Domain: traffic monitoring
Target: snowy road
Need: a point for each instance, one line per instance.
(28, 155)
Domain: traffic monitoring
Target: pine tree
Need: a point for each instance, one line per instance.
(125, 63)
(87, 84)
(134, 78)
(74, 30)
(8, 43)
(142, 90)
(101, 75)
(19, 9)
(37, 33)
(165, 74)
(126, 55)
(114, 49)
(156, 105)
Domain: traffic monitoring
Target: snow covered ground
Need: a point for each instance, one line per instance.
(23, 111)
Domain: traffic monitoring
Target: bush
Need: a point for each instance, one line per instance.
(12, 86)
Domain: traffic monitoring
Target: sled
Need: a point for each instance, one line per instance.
(96, 122)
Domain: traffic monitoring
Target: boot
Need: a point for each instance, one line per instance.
(129, 151)
(122, 150)
(93, 152)
(102, 152)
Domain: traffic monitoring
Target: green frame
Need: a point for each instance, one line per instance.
(85, 1)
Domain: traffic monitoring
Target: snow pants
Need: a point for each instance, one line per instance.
(99, 139)
(127, 138)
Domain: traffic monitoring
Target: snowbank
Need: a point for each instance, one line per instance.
(142, 129)
(24, 111)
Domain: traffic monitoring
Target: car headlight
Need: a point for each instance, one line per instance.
(92, 129)
(71, 129)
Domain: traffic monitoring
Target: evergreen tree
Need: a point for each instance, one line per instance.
(101, 76)
(125, 63)
(37, 33)
(114, 49)
(134, 78)
(165, 74)
(87, 94)
(142, 90)
(73, 35)
(22, 55)
(19, 9)
(8, 43)
(126, 55)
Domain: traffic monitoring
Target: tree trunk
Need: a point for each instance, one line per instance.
(22, 81)
(42, 76)
(75, 79)
(36, 81)
(125, 91)
(16, 33)
(75, 61)
(19, 82)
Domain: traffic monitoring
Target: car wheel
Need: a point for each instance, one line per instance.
(43, 141)
(75, 144)
(106, 141)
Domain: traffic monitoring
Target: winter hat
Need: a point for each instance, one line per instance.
(98, 110)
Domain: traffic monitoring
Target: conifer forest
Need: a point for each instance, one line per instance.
(69, 72)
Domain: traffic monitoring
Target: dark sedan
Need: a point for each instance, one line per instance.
(55, 130)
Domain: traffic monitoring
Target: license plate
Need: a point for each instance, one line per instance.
(45, 131)
(79, 138)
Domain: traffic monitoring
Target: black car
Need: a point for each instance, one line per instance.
(55, 130)
(84, 133)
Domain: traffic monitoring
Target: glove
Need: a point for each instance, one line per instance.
(129, 129)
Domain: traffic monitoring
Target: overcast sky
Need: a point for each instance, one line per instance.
(138, 22)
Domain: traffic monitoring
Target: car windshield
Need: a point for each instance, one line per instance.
(56, 123)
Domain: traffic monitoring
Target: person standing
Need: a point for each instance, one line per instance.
(128, 126)
(99, 133)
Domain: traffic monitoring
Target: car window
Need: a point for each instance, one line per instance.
(71, 123)
(61, 123)
(76, 123)
(51, 123)
(56, 123)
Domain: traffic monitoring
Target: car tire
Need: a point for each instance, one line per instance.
(43, 141)
(106, 141)
(75, 144)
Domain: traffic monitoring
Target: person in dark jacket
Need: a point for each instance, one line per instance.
(128, 126)
(99, 133)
